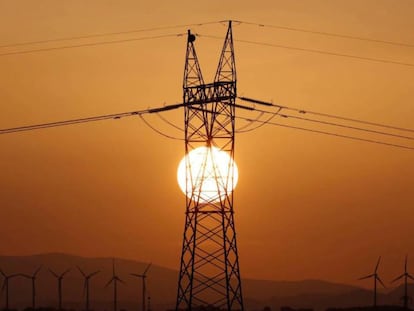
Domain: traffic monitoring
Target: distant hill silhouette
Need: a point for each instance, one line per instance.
(162, 286)
(358, 297)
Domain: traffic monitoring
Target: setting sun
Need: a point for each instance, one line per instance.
(212, 174)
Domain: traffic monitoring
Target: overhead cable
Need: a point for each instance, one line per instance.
(246, 129)
(324, 33)
(371, 59)
(91, 44)
(158, 131)
(336, 124)
(331, 134)
(113, 116)
(302, 111)
(140, 113)
(105, 34)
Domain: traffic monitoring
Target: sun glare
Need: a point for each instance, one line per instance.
(212, 174)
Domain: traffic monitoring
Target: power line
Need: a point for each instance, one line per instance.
(347, 126)
(158, 131)
(246, 129)
(315, 131)
(331, 34)
(90, 44)
(260, 102)
(180, 34)
(242, 129)
(70, 122)
(337, 125)
(107, 34)
(329, 123)
(104, 34)
(378, 60)
(175, 106)
(208, 36)
(170, 123)
(331, 134)
(113, 116)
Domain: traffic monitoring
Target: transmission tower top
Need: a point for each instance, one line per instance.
(191, 37)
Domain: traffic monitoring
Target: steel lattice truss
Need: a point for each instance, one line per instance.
(209, 272)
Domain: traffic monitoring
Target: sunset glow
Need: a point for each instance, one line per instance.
(211, 174)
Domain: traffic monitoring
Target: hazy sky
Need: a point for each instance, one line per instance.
(307, 206)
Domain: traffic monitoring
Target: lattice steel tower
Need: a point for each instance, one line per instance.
(209, 272)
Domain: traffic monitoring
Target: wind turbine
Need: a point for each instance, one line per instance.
(143, 276)
(87, 277)
(115, 279)
(405, 275)
(376, 278)
(6, 285)
(59, 278)
(33, 278)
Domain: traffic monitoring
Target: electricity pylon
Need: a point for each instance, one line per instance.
(209, 270)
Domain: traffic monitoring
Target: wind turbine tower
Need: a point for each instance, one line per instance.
(406, 276)
(59, 278)
(209, 269)
(149, 303)
(6, 285)
(33, 278)
(115, 279)
(376, 278)
(143, 276)
(87, 277)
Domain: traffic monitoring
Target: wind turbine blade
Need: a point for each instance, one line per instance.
(405, 266)
(367, 277)
(80, 270)
(136, 275)
(378, 262)
(1, 271)
(146, 270)
(93, 273)
(51, 271)
(66, 271)
(109, 282)
(26, 275)
(410, 276)
(398, 277)
(379, 280)
(121, 281)
(37, 270)
(14, 275)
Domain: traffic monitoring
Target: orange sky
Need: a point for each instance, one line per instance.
(307, 206)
